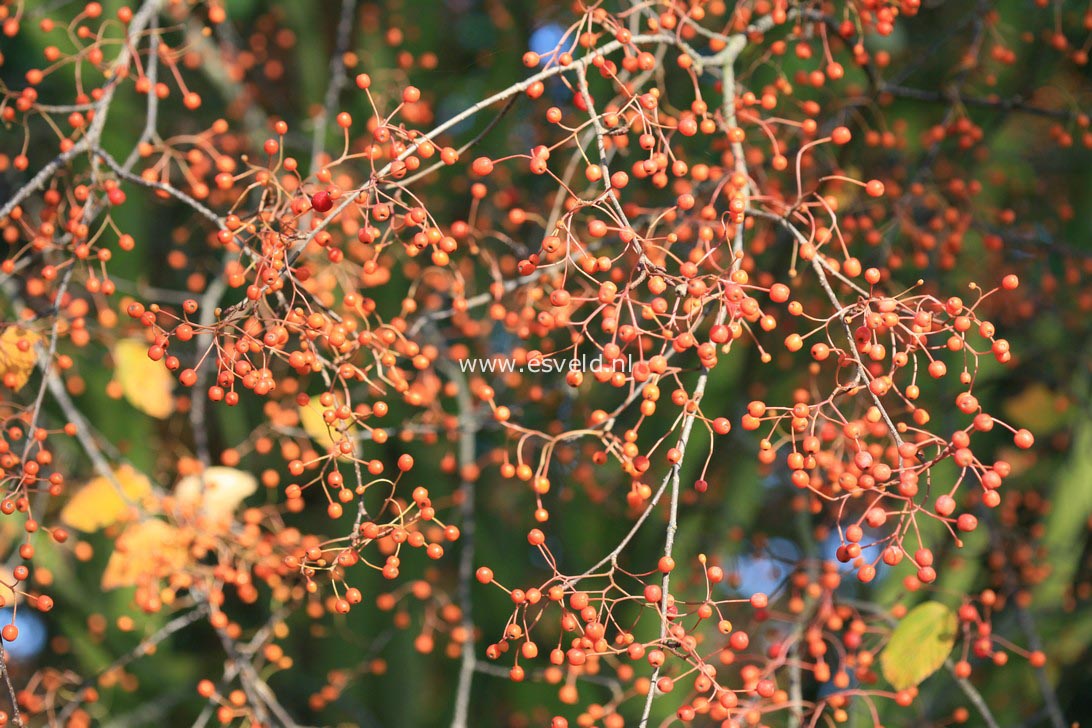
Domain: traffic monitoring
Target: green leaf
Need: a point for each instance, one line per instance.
(919, 645)
(1067, 524)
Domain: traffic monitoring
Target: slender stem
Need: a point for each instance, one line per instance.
(198, 397)
(16, 717)
(338, 78)
(673, 520)
(1050, 698)
(143, 648)
(468, 430)
(974, 696)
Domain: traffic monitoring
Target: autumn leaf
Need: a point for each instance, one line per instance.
(919, 645)
(215, 494)
(1037, 408)
(17, 356)
(145, 383)
(146, 551)
(315, 426)
(9, 595)
(99, 504)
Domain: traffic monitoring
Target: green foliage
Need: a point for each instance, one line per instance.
(919, 644)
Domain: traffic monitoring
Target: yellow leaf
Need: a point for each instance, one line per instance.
(145, 552)
(99, 504)
(919, 645)
(9, 596)
(328, 436)
(1037, 408)
(17, 356)
(145, 383)
(11, 534)
(215, 494)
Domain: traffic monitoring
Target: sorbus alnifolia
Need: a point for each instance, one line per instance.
(679, 187)
(482, 166)
(321, 201)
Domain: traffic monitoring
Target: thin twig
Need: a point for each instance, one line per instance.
(974, 696)
(673, 519)
(467, 457)
(16, 718)
(338, 78)
(1015, 103)
(143, 648)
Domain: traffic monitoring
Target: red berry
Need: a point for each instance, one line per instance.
(321, 201)
(966, 522)
(1023, 439)
(482, 166)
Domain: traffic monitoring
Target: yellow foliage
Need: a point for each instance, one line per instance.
(17, 356)
(9, 595)
(327, 436)
(99, 504)
(1037, 408)
(146, 551)
(214, 494)
(145, 383)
